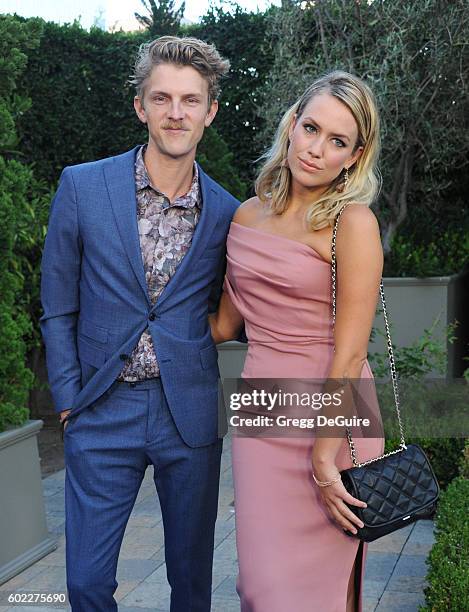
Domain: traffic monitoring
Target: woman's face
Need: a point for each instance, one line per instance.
(322, 140)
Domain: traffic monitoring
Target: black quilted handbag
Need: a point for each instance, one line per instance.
(399, 487)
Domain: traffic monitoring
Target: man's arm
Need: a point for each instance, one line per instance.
(60, 278)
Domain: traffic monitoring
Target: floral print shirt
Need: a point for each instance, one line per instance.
(165, 229)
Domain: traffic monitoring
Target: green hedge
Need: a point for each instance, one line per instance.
(448, 576)
(15, 181)
(240, 36)
(445, 254)
(81, 106)
(15, 378)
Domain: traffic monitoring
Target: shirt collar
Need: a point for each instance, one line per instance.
(142, 181)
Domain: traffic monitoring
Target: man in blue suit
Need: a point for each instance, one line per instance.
(133, 262)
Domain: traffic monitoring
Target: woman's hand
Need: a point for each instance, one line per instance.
(216, 335)
(335, 497)
(226, 323)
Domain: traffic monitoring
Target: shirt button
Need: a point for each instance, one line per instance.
(152, 316)
(123, 357)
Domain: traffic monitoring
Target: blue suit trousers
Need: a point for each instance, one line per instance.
(108, 447)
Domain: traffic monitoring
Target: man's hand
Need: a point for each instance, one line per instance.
(63, 414)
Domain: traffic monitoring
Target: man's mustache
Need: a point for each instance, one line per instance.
(174, 126)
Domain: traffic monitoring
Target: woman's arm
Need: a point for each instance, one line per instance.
(359, 257)
(226, 323)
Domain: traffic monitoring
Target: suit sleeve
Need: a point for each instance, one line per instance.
(217, 285)
(60, 278)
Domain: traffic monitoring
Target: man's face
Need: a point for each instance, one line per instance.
(175, 108)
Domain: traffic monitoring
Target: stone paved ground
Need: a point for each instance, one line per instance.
(395, 572)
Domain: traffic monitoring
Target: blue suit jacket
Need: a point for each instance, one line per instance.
(96, 303)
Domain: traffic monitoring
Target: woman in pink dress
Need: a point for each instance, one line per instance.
(292, 549)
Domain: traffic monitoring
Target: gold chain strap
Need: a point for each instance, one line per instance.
(402, 446)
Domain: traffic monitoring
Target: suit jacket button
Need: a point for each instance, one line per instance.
(152, 316)
(123, 357)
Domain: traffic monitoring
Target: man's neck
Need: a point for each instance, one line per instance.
(171, 176)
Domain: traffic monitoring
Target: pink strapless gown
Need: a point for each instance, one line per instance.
(292, 556)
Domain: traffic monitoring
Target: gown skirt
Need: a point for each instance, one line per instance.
(292, 555)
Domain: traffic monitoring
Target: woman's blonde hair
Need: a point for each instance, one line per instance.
(274, 179)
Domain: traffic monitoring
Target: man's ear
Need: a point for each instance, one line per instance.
(212, 111)
(139, 109)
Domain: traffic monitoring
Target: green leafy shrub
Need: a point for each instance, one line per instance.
(448, 576)
(217, 161)
(31, 233)
(240, 36)
(464, 467)
(15, 378)
(15, 178)
(444, 255)
(424, 355)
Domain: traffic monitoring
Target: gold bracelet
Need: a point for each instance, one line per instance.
(326, 483)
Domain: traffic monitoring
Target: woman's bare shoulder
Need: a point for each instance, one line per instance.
(359, 234)
(248, 211)
(358, 218)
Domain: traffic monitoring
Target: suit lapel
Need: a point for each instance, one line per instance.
(120, 180)
(207, 222)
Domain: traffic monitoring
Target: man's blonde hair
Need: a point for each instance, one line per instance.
(185, 51)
